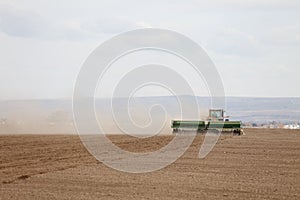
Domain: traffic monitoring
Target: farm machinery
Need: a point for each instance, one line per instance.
(216, 122)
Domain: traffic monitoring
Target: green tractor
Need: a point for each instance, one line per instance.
(216, 122)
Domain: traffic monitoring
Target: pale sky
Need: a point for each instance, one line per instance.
(254, 44)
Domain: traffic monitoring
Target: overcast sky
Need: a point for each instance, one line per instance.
(254, 44)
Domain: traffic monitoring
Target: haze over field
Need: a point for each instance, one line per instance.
(55, 116)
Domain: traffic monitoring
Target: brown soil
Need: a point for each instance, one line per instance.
(263, 164)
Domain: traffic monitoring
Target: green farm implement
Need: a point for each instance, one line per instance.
(216, 122)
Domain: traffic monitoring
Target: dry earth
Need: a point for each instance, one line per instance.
(263, 164)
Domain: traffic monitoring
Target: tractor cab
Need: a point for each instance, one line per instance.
(217, 115)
